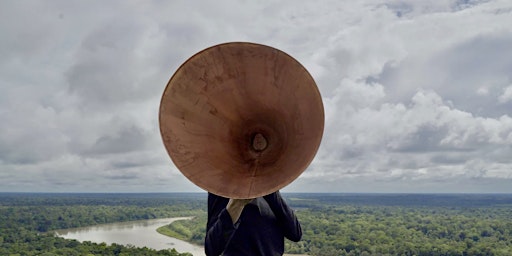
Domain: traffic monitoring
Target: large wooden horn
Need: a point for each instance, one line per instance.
(241, 120)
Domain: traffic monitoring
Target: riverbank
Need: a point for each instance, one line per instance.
(140, 233)
(167, 231)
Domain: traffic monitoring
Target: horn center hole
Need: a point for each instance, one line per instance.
(259, 142)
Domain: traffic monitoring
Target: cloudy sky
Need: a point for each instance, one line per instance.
(417, 94)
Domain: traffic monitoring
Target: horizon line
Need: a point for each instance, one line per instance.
(201, 192)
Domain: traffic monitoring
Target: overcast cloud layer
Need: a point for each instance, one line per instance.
(417, 94)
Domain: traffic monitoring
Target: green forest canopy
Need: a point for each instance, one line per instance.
(333, 224)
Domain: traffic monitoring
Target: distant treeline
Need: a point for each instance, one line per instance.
(119, 199)
(333, 224)
(412, 200)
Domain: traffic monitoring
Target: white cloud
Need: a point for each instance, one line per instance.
(417, 95)
(507, 95)
(482, 91)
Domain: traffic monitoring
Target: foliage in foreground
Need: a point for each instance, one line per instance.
(24, 242)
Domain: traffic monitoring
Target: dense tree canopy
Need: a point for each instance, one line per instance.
(392, 225)
(334, 224)
(27, 219)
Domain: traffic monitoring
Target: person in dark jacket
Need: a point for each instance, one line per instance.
(249, 226)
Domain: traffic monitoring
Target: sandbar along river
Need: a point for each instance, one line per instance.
(138, 233)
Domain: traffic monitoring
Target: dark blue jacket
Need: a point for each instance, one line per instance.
(260, 230)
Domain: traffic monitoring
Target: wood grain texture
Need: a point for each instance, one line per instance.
(220, 98)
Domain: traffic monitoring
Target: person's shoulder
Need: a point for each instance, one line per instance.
(214, 197)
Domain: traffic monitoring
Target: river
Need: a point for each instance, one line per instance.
(138, 233)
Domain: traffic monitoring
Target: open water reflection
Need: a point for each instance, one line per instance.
(139, 233)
